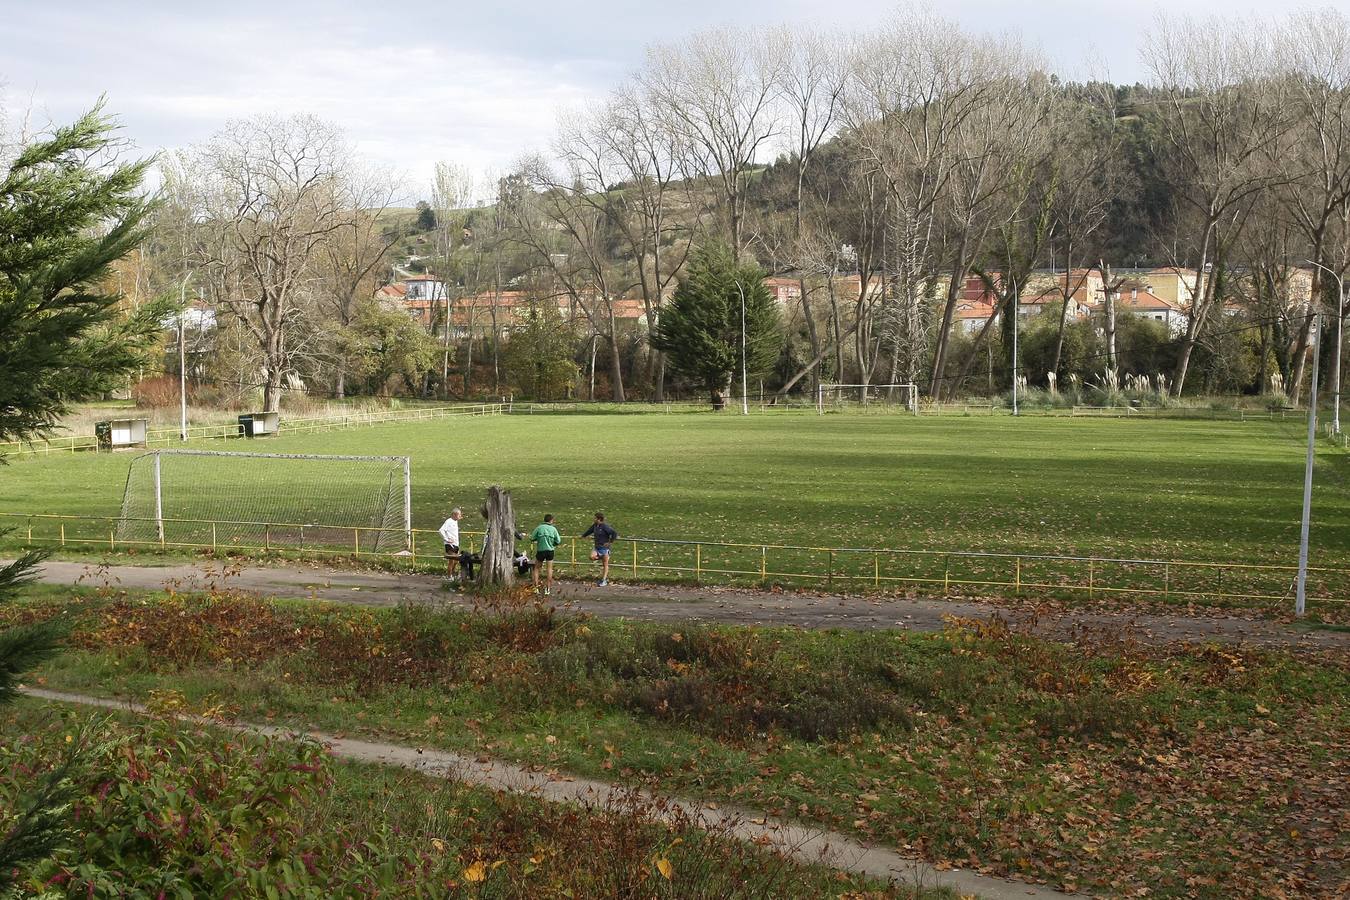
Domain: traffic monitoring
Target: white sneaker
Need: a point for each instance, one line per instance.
(602, 582)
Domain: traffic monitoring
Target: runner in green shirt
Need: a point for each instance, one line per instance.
(546, 539)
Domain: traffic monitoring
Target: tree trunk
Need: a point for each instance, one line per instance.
(1299, 359)
(954, 290)
(1196, 320)
(659, 378)
(499, 541)
(340, 385)
(615, 364)
(468, 365)
(272, 390)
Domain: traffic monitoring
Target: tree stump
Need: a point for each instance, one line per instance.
(499, 540)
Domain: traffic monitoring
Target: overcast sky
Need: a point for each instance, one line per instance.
(412, 82)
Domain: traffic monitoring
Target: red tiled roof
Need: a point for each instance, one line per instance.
(1136, 299)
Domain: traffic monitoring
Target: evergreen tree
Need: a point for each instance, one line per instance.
(426, 216)
(700, 330)
(67, 212)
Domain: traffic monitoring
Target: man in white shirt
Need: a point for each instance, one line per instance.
(450, 534)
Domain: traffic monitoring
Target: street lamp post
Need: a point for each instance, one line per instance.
(1300, 594)
(745, 397)
(1336, 361)
(182, 358)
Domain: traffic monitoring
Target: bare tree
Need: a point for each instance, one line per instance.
(355, 249)
(632, 170)
(719, 88)
(1316, 47)
(268, 198)
(459, 260)
(1222, 113)
(569, 235)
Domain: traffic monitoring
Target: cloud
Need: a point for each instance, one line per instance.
(421, 81)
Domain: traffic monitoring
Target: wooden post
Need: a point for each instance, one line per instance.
(1017, 575)
(635, 566)
(829, 570)
(213, 536)
(63, 534)
(1091, 577)
(763, 563)
(698, 563)
(876, 569)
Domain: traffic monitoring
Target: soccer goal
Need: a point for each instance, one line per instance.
(218, 498)
(879, 396)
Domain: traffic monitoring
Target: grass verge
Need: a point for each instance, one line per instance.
(163, 809)
(1100, 765)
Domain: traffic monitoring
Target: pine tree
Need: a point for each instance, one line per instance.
(68, 210)
(700, 330)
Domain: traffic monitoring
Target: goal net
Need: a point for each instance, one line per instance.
(218, 498)
(899, 397)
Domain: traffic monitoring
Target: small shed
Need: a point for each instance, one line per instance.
(259, 423)
(115, 433)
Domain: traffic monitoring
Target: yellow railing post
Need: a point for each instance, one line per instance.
(1092, 569)
(635, 567)
(213, 536)
(698, 563)
(267, 537)
(876, 569)
(829, 568)
(63, 534)
(946, 574)
(1017, 575)
(763, 563)
(1167, 580)
(112, 538)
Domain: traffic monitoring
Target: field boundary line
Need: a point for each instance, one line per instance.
(803, 843)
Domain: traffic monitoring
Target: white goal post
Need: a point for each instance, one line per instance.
(216, 497)
(904, 395)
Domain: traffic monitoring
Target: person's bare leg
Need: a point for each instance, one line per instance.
(535, 575)
(548, 584)
(604, 568)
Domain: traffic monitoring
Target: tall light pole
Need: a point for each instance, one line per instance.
(1336, 361)
(182, 358)
(745, 397)
(1300, 594)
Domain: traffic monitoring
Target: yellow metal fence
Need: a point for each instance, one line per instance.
(956, 572)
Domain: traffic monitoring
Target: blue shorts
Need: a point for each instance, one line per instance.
(602, 551)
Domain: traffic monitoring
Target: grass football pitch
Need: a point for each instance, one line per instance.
(1195, 490)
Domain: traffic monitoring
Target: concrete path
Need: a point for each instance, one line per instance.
(679, 603)
(804, 844)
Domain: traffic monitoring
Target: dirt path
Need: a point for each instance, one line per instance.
(804, 844)
(678, 603)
